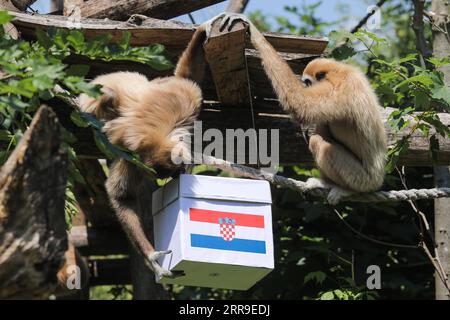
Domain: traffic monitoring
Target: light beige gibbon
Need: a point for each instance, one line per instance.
(349, 146)
(151, 118)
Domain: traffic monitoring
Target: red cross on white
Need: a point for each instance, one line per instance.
(227, 231)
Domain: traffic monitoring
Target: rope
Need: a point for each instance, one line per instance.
(300, 186)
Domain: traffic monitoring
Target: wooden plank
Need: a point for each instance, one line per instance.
(260, 84)
(293, 148)
(110, 271)
(99, 241)
(122, 9)
(174, 35)
(225, 52)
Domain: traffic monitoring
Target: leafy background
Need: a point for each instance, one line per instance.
(318, 253)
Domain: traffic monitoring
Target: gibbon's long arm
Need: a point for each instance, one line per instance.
(191, 64)
(293, 96)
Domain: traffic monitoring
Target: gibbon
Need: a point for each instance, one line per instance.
(150, 118)
(349, 146)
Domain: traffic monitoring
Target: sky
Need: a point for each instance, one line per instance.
(327, 11)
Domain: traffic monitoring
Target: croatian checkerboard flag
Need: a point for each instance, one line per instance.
(229, 231)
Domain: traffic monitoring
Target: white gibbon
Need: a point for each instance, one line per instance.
(349, 146)
(149, 118)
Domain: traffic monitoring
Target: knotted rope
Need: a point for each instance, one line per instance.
(300, 186)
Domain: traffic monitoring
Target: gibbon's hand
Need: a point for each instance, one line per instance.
(152, 263)
(335, 193)
(208, 24)
(230, 19)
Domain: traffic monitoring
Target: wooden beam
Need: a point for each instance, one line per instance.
(293, 148)
(110, 271)
(32, 224)
(174, 35)
(225, 52)
(99, 241)
(123, 9)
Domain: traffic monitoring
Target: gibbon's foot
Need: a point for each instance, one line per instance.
(230, 19)
(152, 263)
(336, 194)
(316, 183)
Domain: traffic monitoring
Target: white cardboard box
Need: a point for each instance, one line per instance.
(219, 230)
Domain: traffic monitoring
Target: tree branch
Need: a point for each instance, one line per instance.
(418, 26)
(122, 9)
(237, 6)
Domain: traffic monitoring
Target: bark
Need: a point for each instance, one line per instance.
(441, 48)
(237, 6)
(32, 223)
(123, 9)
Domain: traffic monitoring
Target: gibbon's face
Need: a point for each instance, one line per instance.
(322, 70)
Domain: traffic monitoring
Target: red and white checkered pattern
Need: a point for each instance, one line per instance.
(227, 231)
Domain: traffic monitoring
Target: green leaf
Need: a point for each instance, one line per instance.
(408, 58)
(90, 89)
(340, 294)
(44, 39)
(76, 39)
(439, 62)
(422, 79)
(5, 135)
(424, 128)
(77, 118)
(343, 52)
(441, 93)
(125, 41)
(5, 17)
(104, 145)
(421, 100)
(327, 296)
(318, 276)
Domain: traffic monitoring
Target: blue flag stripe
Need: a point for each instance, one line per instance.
(243, 245)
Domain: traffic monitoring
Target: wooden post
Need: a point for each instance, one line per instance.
(441, 48)
(57, 6)
(123, 9)
(33, 235)
(237, 6)
(225, 52)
